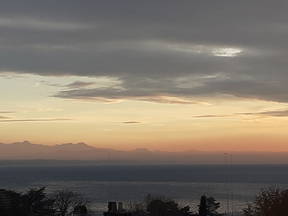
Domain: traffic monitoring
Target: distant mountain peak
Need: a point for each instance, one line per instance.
(25, 142)
(75, 146)
(142, 150)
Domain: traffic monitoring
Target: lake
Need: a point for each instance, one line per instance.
(232, 185)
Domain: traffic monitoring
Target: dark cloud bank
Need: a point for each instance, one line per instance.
(155, 48)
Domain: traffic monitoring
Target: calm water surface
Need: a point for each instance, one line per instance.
(233, 186)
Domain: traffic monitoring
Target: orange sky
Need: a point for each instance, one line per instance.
(214, 124)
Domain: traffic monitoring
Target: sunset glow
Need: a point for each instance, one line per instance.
(191, 82)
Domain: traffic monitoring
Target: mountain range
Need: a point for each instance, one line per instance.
(81, 151)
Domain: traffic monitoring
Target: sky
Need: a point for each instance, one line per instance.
(162, 74)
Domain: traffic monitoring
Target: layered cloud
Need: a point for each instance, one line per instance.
(160, 51)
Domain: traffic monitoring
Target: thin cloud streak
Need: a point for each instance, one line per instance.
(35, 120)
(279, 113)
(211, 116)
(276, 113)
(79, 84)
(7, 112)
(131, 122)
(4, 117)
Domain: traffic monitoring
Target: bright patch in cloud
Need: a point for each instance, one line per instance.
(196, 48)
(227, 52)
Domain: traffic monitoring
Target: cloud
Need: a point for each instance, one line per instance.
(7, 112)
(274, 113)
(190, 49)
(35, 120)
(4, 117)
(131, 122)
(79, 84)
(211, 116)
(277, 113)
(118, 94)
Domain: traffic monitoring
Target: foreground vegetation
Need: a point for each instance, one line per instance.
(36, 202)
(269, 202)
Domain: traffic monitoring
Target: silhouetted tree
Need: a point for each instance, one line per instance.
(36, 203)
(269, 202)
(137, 209)
(80, 210)
(157, 208)
(165, 207)
(10, 203)
(185, 211)
(208, 206)
(65, 201)
(250, 210)
(203, 208)
(32, 203)
(213, 206)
